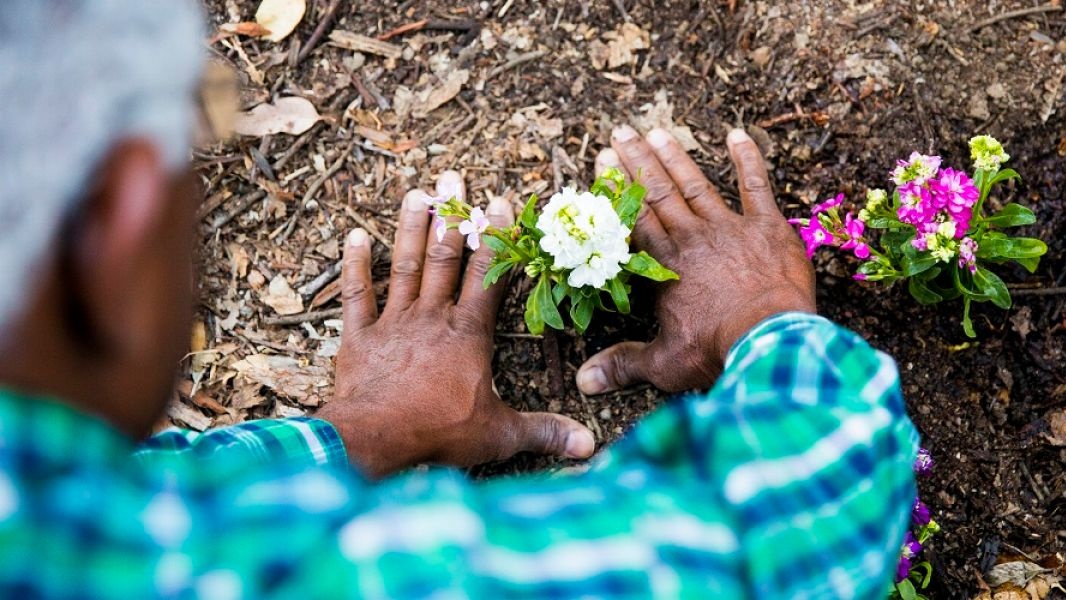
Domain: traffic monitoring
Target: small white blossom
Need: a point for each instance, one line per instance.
(583, 232)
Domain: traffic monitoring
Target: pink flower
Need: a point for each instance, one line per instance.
(473, 227)
(968, 254)
(859, 277)
(828, 204)
(916, 204)
(958, 194)
(853, 230)
(813, 233)
(440, 227)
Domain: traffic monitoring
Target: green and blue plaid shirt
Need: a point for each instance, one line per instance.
(790, 479)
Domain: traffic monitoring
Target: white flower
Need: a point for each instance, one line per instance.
(473, 227)
(583, 232)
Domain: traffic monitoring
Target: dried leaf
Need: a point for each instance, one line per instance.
(280, 17)
(293, 115)
(431, 98)
(623, 44)
(661, 114)
(306, 384)
(1057, 435)
(281, 297)
(1017, 572)
(187, 415)
(249, 28)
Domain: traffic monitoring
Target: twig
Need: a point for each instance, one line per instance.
(521, 59)
(552, 362)
(620, 5)
(1047, 291)
(518, 336)
(313, 189)
(320, 30)
(1013, 14)
(309, 289)
(242, 205)
(465, 25)
(314, 315)
(369, 227)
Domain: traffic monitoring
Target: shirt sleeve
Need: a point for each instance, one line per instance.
(296, 441)
(790, 478)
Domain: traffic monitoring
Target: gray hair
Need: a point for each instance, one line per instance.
(77, 76)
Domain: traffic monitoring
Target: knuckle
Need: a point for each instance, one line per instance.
(658, 190)
(406, 267)
(443, 254)
(550, 435)
(355, 289)
(693, 189)
(756, 183)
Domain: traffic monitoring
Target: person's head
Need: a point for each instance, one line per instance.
(96, 202)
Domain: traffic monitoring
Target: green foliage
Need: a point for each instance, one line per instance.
(518, 248)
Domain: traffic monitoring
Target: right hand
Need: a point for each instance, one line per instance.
(736, 270)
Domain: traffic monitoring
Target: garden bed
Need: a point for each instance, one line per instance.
(833, 91)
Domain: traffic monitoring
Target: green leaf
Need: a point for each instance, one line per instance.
(1030, 264)
(1004, 175)
(560, 291)
(882, 223)
(619, 295)
(928, 568)
(541, 309)
(528, 217)
(921, 292)
(1007, 247)
(628, 204)
(644, 265)
(498, 245)
(992, 286)
(967, 324)
(1012, 215)
(906, 590)
(920, 264)
(893, 241)
(581, 313)
(496, 271)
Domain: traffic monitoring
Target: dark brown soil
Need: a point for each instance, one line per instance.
(834, 91)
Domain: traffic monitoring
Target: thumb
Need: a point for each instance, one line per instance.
(549, 433)
(615, 368)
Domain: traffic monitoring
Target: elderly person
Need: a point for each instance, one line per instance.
(789, 478)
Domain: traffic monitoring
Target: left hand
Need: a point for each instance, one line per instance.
(414, 384)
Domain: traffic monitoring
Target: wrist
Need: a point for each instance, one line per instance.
(762, 310)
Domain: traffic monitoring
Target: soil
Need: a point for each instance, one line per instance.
(834, 92)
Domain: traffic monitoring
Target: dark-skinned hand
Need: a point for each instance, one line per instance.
(414, 384)
(736, 269)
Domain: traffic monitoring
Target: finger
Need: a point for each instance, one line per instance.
(648, 232)
(548, 433)
(358, 304)
(663, 196)
(755, 193)
(479, 302)
(615, 368)
(440, 275)
(409, 250)
(701, 196)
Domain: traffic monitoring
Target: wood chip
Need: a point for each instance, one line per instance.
(362, 43)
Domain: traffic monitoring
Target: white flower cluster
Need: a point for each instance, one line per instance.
(583, 232)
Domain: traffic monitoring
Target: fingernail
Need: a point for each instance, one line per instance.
(659, 137)
(623, 133)
(358, 237)
(580, 444)
(499, 207)
(450, 185)
(417, 201)
(737, 136)
(591, 380)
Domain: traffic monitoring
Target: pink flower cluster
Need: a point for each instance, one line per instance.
(930, 195)
(825, 228)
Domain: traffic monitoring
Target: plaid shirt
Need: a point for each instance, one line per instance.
(790, 479)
